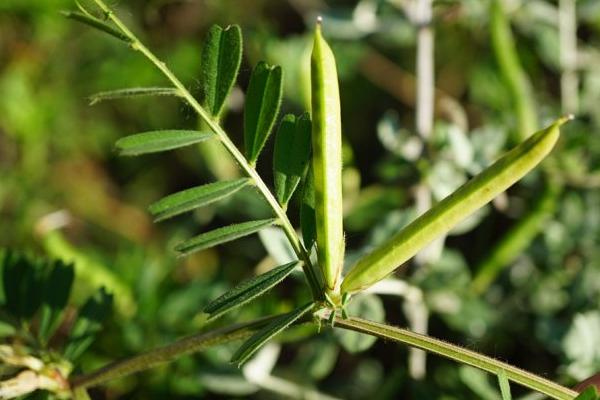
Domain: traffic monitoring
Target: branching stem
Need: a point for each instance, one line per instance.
(168, 353)
(459, 354)
(284, 222)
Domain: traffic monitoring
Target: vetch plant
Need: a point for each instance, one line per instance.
(317, 172)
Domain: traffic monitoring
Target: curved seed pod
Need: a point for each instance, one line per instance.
(453, 209)
(327, 160)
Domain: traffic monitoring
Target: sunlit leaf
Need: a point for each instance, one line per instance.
(190, 199)
(157, 141)
(221, 235)
(256, 341)
(291, 155)
(249, 290)
(221, 59)
(262, 106)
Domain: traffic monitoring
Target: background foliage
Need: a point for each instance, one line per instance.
(65, 194)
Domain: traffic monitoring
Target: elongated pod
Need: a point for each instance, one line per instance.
(327, 161)
(453, 209)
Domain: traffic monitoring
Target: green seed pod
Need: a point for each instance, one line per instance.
(453, 209)
(327, 161)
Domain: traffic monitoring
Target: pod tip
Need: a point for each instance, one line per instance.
(565, 118)
(319, 20)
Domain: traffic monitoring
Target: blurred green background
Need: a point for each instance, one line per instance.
(64, 192)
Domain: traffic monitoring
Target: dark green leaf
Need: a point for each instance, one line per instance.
(96, 23)
(262, 106)
(88, 324)
(132, 92)
(256, 341)
(13, 271)
(56, 294)
(190, 199)
(221, 59)
(249, 290)
(156, 141)
(22, 279)
(291, 155)
(307, 211)
(590, 393)
(222, 235)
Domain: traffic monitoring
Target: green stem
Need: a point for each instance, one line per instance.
(168, 353)
(284, 222)
(459, 354)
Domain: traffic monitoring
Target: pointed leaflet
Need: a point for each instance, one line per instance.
(327, 161)
(221, 59)
(308, 222)
(132, 92)
(221, 235)
(96, 23)
(249, 290)
(189, 199)
(57, 289)
(453, 209)
(291, 155)
(157, 141)
(257, 340)
(262, 106)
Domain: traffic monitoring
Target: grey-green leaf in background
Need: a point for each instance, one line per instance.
(249, 290)
(256, 341)
(157, 141)
(190, 199)
(132, 92)
(221, 235)
(221, 59)
(262, 106)
(291, 155)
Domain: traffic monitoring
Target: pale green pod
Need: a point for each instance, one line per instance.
(453, 209)
(327, 161)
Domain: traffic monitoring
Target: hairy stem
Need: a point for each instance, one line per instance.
(459, 354)
(168, 353)
(284, 222)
